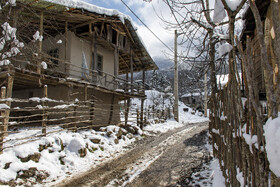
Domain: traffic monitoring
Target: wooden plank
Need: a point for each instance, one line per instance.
(3, 128)
(40, 41)
(116, 61)
(44, 116)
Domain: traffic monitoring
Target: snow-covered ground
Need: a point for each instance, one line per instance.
(209, 175)
(49, 160)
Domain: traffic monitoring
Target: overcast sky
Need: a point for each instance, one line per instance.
(148, 14)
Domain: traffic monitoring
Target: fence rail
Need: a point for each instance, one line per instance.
(45, 116)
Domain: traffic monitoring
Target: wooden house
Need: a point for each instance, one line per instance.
(249, 29)
(72, 57)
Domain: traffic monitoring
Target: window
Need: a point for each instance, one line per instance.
(54, 53)
(99, 63)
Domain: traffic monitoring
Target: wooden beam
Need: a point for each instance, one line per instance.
(40, 41)
(94, 51)
(85, 23)
(131, 67)
(116, 61)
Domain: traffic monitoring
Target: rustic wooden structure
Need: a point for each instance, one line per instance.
(238, 140)
(250, 30)
(68, 74)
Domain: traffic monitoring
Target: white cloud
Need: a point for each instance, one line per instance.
(149, 13)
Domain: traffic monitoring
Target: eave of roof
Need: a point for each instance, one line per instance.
(68, 5)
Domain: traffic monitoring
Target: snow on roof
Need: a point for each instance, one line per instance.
(91, 8)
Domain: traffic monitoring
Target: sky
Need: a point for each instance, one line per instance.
(150, 13)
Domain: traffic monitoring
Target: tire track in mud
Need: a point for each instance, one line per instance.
(129, 168)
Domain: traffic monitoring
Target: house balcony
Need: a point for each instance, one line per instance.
(43, 69)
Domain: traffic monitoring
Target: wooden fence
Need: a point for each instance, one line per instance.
(45, 116)
(238, 143)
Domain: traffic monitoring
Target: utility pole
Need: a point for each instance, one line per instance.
(205, 95)
(176, 112)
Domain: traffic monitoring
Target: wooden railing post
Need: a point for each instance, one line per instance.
(137, 117)
(44, 116)
(74, 129)
(3, 128)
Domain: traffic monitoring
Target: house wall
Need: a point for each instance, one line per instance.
(78, 46)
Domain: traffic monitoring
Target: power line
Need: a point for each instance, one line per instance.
(146, 26)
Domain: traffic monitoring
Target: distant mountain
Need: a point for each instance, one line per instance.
(164, 63)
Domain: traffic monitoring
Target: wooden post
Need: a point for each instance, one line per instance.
(8, 94)
(65, 45)
(142, 100)
(116, 61)
(86, 93)
(94, 51)
(44, 117)
(127, 110)
(137, 117)
(74, 128)
(131, 71)
(176, 112)
(40, 42)
(3, 128)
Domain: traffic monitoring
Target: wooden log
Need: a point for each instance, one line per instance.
(137, 117)
(3, 128)
(40, 42)
(44, 115)
(127, 110)
(74, 128)
(116, 61)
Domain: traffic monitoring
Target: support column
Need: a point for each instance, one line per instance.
(142, 101)
(131, 71)
(3, 126)
(40, 42)
(116, 64)
(65, 46)
(94, 50)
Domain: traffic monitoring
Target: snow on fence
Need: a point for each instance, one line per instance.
(30, 119)
(238, 144)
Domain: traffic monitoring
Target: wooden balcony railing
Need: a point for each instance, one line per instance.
(70, 71)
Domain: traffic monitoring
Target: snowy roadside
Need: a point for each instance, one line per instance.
(51, 159)
(208, 174)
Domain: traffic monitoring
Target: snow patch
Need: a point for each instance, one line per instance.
(272, 136)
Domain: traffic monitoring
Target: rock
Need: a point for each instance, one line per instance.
(35, 157)
(120, 133)
(33, 172)
(109, 133)
(122, 125)
(7, 165)
(129, 135)
(116, 141)
(95, 140)
(130, 130)
(156, 121)
(61, 160)
(83, 152)
(103, 129)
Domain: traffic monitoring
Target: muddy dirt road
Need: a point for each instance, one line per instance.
(160, 160)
